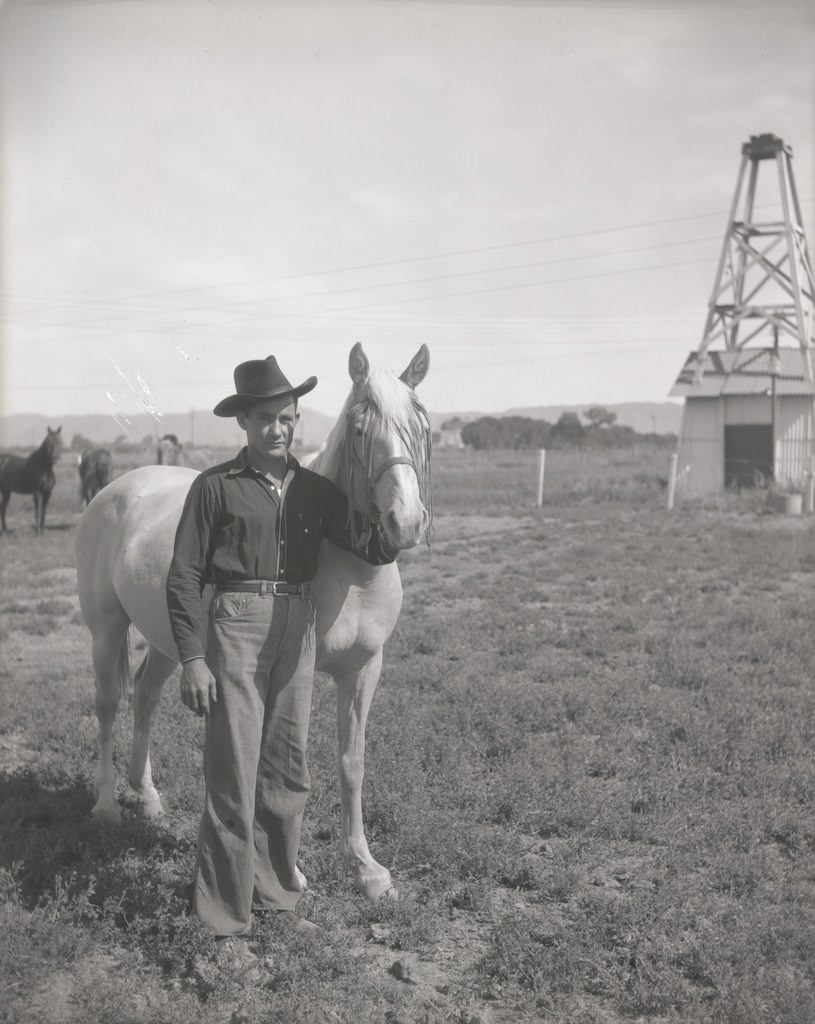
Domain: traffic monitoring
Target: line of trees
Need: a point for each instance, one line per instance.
(517, 432)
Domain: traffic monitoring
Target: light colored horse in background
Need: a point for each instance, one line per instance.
(170, 452)
(95, 466)
(379, 453)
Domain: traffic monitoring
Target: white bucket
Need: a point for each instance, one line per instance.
(790, 504)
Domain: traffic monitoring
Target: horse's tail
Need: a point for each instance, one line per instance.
(124, 673)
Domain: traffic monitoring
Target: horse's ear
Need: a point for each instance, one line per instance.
(358, 365)
(417, 370)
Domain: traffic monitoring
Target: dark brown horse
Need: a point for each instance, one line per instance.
(34, 475)
(95, 471)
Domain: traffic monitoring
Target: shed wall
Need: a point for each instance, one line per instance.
(701, 440)
(794, 441)
(744, 409)
(701, 446)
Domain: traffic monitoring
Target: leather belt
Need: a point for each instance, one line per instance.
(277, 588)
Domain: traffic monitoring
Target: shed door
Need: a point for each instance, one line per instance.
(748, 454)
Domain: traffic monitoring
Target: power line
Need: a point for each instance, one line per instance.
(600, 342)
(102, 320)
(530, 284)
(483, 249)
(595, 232)
(103, 308)
(475, 273)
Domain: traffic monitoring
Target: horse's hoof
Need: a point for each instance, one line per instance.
(146, 805)
(300, 879)
(150, 810)
(108, 814)
(377, 887)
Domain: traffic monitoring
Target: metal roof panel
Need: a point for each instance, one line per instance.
(745, 371)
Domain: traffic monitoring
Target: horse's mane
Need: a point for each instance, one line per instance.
(386, 402)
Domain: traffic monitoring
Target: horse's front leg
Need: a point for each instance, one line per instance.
(150, 678)
(355, 691)
(37, 511)
(45, 497)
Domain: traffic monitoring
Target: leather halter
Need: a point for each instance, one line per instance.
(395, 460)
(375, 475)
(371, 476)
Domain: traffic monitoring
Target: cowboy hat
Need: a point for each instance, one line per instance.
(257, 380)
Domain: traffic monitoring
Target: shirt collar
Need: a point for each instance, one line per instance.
(242, 465)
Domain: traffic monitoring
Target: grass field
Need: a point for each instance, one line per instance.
(589, 768)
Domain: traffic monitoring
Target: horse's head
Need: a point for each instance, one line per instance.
(53, 444)
(168, 449)
(386, 455)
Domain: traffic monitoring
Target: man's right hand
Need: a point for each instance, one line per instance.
(198, 688)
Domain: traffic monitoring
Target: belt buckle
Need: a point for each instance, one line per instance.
(279, 589)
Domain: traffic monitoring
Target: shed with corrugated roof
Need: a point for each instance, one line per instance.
(747, 420)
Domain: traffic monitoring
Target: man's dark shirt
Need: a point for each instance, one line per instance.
(230, 527)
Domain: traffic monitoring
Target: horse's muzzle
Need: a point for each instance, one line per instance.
(405, 532)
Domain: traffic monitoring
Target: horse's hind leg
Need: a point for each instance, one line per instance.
(3, 506)
(111, 668)
(153, 672)
(355, 691)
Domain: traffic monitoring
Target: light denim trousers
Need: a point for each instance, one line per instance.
(261, 650)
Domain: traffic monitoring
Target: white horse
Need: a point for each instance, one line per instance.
(379, 453)
(170, 452)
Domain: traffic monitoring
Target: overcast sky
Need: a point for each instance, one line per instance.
(537, 192)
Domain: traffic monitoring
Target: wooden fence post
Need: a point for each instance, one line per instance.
(541, 466)
(672, 480)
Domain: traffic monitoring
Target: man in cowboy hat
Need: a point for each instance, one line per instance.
(251, 528)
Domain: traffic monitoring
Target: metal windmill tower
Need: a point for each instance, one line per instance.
(764, 293)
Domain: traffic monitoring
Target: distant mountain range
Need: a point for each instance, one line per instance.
(197, 428)
(201, 428)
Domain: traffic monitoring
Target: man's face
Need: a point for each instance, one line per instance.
(269, 426)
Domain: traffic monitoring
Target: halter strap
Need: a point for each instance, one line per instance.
(368, 476)
(395, 460)
(372, 478)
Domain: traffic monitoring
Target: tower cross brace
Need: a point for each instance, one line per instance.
(764, 287)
